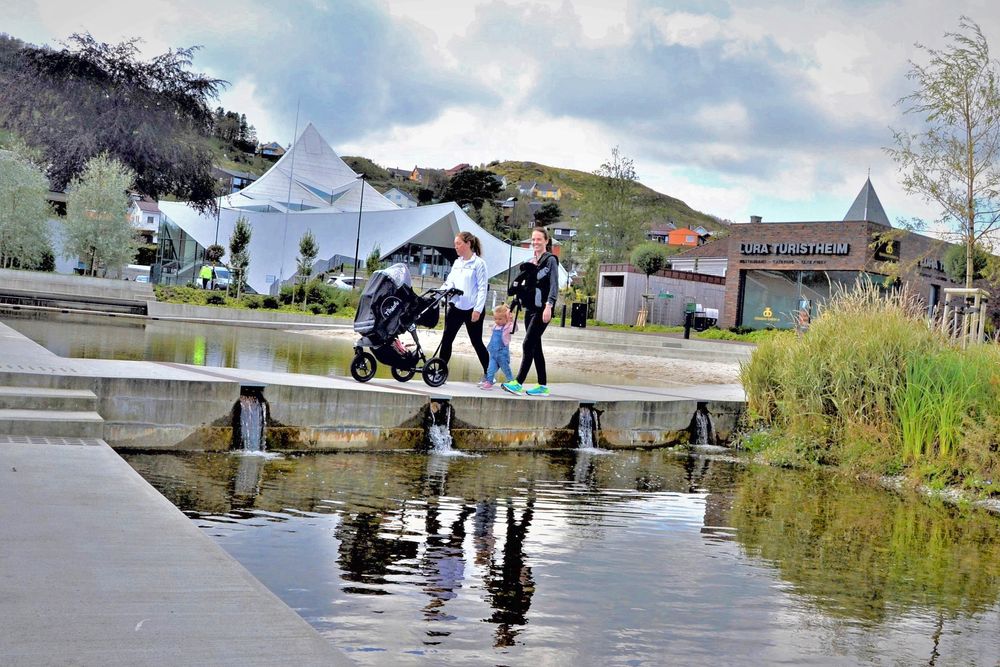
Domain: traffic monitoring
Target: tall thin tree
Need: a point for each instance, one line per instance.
(954, 160)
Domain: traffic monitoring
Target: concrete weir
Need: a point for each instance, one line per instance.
(150, 405)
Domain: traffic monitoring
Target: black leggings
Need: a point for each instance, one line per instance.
(533, 330)
(453, 321)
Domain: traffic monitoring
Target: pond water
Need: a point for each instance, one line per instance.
(631, 558)
(99, 337)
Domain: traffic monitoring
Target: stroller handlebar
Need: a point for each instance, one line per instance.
(448, 290)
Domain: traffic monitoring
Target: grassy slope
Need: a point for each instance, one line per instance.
(576, 185)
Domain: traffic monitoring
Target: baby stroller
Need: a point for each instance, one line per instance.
(388, 308)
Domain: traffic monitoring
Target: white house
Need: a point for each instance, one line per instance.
(145, 216)
(400, 198)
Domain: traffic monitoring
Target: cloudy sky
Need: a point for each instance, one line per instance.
(769, 107)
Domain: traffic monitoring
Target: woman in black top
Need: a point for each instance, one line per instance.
(537, 314)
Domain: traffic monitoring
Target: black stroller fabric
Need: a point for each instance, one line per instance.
(386, 306)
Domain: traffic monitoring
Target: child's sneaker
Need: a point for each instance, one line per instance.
(514, 387)
(486, 385)
(482, 381)
(538, 390)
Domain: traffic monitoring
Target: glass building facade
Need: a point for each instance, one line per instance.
(775, 299)
(178, 256)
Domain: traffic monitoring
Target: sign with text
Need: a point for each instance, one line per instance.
(794, 248)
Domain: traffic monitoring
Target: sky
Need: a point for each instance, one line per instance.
(771, 107)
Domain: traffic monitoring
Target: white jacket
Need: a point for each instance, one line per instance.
(470, 277)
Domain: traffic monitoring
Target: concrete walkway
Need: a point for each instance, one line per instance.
(98, 568)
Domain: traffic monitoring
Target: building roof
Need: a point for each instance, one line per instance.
(404, 193)
(236, 174)
(867, 206)
(718, 247)
(337, 227)
(310, 175)
(147, 205)
(547, 187)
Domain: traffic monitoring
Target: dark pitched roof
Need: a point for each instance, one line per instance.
(715, 248)
(867, 206)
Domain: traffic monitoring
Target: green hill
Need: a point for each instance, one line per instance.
(576, 185)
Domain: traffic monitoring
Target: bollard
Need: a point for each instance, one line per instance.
(563, 323)
(688, 322)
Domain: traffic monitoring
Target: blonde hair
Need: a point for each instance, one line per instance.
(502, 310)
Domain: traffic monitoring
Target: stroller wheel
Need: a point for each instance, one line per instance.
(403, 374)
(436, 372)
(363, 367)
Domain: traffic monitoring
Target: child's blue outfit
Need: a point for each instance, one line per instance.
(499, 349)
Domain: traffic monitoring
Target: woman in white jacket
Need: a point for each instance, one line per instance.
(468, 274)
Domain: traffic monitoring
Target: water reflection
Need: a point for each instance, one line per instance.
(627, 558)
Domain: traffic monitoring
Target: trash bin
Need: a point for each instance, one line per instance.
(578, 316)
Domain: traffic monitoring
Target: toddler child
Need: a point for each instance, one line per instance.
(499, 346)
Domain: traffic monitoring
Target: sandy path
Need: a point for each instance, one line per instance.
(578, 364)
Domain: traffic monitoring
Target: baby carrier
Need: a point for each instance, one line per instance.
(524, 289)
(388, 308)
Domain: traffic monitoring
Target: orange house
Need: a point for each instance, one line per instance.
(683, 237)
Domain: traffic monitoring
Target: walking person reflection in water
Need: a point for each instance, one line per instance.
(510, 583)
(468, 274)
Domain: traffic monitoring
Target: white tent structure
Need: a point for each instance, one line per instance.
(311, 188)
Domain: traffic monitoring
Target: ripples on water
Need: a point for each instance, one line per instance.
(580, 559)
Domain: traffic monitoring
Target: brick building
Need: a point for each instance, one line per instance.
(776, 270)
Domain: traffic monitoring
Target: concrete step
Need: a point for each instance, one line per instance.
(52, 423)
(43, 398)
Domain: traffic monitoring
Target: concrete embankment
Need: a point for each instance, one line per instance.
(153, 405)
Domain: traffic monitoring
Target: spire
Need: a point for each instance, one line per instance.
(867, 207)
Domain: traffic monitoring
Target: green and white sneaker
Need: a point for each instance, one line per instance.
(538, 390)
(513, 387)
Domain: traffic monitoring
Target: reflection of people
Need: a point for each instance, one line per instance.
(510, 584)
(468, 274)
(537, 313)
(444, 560)
(499, 346)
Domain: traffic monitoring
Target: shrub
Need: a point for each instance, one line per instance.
(270, 302)
(215, 299)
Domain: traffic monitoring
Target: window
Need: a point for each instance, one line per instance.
(689, 239)
(149, 220)
(612, 281)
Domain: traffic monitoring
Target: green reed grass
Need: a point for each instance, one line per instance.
(872, 385)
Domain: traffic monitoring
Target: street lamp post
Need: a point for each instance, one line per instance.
(357, 241)
(510, 239)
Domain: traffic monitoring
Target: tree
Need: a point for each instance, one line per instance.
(611, 221)
(374, 261)
(490, 218)
(214, 252)
(954, 162)
(425, 196)
(91, 97)
(649, 257)
(239, 256)
(548, 214)
(97, 228)
(24, 212)
(472, 186)
(955, 259)
(307, 256)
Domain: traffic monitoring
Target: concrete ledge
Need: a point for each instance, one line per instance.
(97, 568)
(50, 285)
(184, 311)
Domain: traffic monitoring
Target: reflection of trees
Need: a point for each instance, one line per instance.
(861, 552)
(366, 556)
(509, 584)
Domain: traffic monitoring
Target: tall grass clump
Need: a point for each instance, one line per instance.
(872, 387)
(830, 394)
